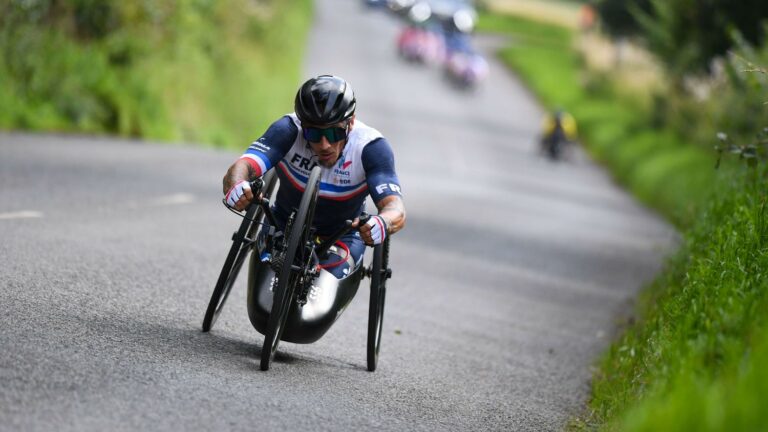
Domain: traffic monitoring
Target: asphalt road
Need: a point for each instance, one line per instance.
(507, 279)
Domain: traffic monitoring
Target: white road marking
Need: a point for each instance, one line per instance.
(161, 201)
(24, 214)
(175, 199)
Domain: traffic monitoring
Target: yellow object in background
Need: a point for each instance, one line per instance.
(567, 124)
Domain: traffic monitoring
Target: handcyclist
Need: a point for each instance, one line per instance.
(558, 131)
(356, 161)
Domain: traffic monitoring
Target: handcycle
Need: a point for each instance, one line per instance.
(290, 297)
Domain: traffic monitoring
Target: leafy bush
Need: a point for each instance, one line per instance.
(730, 104)
(686, 35)
(617, 17)
(205, 71)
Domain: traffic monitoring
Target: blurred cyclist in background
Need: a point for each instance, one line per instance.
(557, 133)
(422, 38)
(463, 64)
(356, 161)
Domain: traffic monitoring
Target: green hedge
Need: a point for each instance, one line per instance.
(200, 71)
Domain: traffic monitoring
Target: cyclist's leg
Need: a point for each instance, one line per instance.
(264, 243)
(336, 254)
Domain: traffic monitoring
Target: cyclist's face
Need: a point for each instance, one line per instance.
(328, 150)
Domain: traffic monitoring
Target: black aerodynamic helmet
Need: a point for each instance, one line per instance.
(324, 100)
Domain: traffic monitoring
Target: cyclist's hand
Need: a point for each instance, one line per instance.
(239, 196)
(374, 231)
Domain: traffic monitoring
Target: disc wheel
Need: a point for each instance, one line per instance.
(296, 254)
(242, 241)
(379, 275)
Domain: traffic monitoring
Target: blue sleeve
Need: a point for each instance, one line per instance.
(266, 151)
(379, 164)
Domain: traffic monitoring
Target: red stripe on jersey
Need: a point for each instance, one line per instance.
(253, 165)
(345, 197)
(290, 177)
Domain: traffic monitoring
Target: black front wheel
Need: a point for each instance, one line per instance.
(242, 240)
(379, 275)
(296, 255)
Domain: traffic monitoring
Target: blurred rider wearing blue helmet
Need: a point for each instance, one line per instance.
(356, 160)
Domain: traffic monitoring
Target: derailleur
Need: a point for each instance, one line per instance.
(305, 284)
(309, 272)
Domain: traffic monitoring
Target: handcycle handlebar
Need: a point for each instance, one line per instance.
(330, 241)
(256, 186)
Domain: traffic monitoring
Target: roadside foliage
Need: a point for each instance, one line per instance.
(693, 146)
(197, 71)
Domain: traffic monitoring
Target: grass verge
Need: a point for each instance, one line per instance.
(194, 71)
(694, 358)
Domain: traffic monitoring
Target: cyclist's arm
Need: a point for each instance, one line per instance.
(392, 210)
(383, 184)
(263, 153)
(239, 171)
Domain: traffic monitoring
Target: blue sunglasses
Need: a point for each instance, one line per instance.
(332, 134)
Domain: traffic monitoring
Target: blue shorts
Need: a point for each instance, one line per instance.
(356, 247)
(352, 240)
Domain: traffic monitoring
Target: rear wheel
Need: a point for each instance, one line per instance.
(297, 254)
(379, 276)
(242, 242)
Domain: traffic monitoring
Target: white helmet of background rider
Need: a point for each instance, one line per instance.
(420, 12)
(464, 20)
